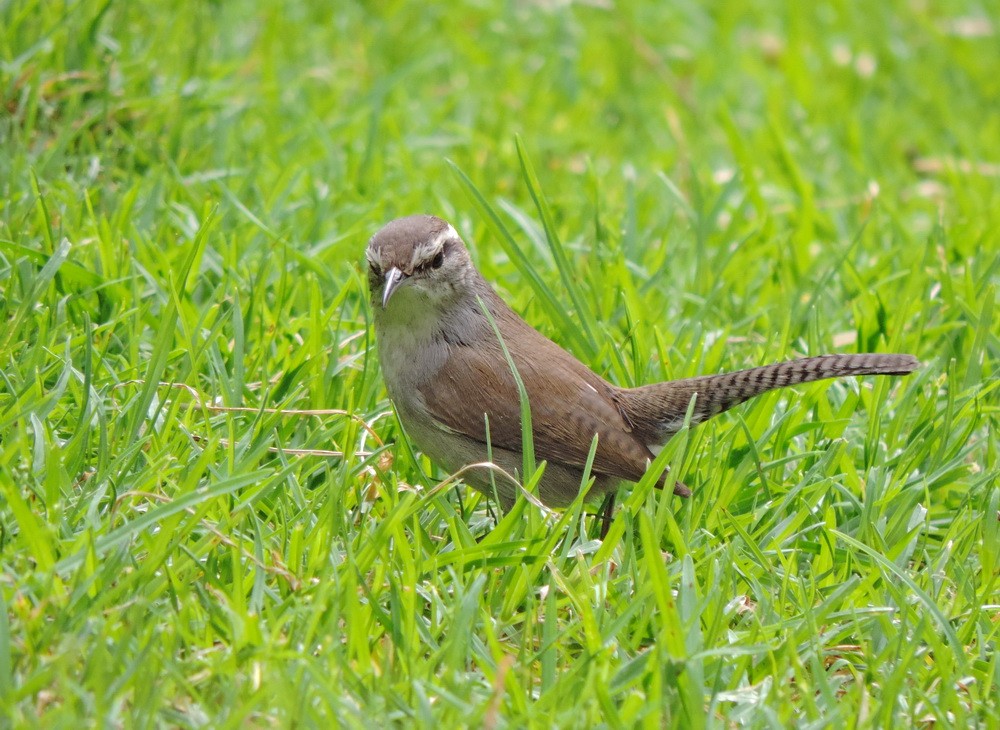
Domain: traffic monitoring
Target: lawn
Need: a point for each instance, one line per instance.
(209, 516)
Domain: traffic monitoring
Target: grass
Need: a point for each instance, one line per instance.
(208, 514)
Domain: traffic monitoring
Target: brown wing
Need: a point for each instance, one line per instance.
(569, 404)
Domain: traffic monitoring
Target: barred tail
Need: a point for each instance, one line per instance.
(657, 411)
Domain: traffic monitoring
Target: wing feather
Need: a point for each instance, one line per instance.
(569, 405)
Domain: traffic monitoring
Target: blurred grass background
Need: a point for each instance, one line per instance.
(185, 193)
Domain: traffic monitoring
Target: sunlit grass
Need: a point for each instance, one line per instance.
(208, 514)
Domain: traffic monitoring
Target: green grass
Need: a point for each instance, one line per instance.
(667, 189)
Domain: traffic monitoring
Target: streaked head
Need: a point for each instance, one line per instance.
(420, 253)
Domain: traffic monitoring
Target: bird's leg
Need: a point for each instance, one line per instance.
(489, 511)
(606, 511)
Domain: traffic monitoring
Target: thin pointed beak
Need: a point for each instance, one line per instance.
(394, 278)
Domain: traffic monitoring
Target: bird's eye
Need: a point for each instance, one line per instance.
(375, 268)
(438, 260)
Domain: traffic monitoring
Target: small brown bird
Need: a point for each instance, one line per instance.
(448, 377)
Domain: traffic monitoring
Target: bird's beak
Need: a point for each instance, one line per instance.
(394, 278)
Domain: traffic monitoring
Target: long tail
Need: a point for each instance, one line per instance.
(657, 411)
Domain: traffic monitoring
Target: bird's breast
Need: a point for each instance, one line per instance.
(410, 355)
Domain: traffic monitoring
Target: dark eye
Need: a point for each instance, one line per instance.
(375, 269)
(438, 260)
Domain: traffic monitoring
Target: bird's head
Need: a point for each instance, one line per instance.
(416, 261)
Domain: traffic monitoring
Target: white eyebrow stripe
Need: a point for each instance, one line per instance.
(423, 252)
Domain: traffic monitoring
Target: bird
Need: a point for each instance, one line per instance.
(444, 336)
